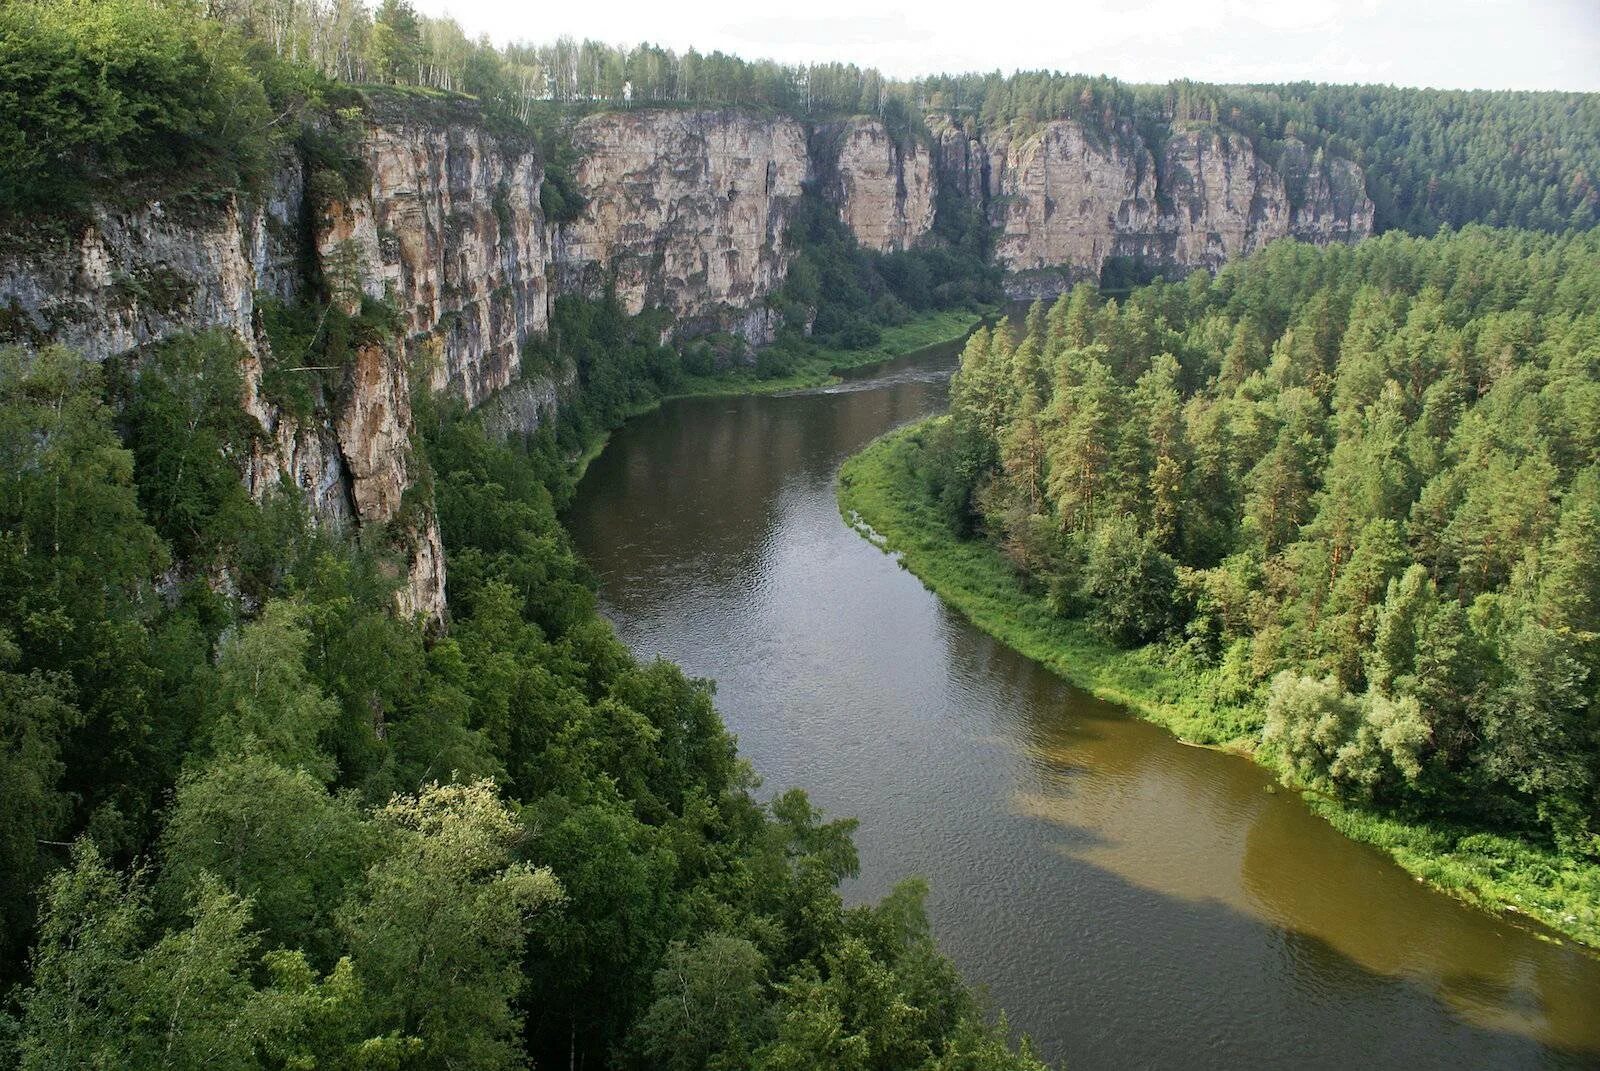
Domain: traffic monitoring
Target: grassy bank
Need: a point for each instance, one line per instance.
(880, 488)
(946, 325)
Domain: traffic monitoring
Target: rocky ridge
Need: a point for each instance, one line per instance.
(685, 209)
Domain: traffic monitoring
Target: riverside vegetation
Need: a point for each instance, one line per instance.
(1338, 508)
(305, 834)
(253, 819)
(249, 818)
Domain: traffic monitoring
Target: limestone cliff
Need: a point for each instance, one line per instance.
(138, 276)
(1329, 195)
(1064, 197)
(1224, 200)
(686, 210)
(449, 226)
(885, 190)
(1064, 200)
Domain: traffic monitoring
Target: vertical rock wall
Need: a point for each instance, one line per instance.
(885, 190)
(688, 210)
(1064, 197)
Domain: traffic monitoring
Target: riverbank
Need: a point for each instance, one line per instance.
(880, 489)
(930, 329)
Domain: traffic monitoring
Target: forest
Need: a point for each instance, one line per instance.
(249, 818)
(1352, 494)
(265, 823)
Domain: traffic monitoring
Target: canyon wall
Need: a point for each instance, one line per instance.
(1064, 198)
(885, 189)
(684, 209)
(688, 210)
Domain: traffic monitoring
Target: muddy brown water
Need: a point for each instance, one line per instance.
(1128, 900)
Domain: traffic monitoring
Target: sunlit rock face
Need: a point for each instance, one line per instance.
(1064, 198)
(450, 227)
(687, 210)
(885, 189)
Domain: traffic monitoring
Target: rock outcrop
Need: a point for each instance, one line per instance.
(1329, 195)
(687, 210)
(449, 226)
(1064, 197)
(1224, 200)
(1064, 201)
(885, 190)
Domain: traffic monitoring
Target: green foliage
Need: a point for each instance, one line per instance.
(95, 92)
(883, 487)
(191, 439)
(1127, 583)
(709, 1009)
(266, 703)
(850, 295)
(1353, 471)
(566, 830)
(95, 977)
(35, 718)
(439, 926)
(275, 837)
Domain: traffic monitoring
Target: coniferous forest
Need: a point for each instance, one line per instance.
(1346, 499)
(250, 817)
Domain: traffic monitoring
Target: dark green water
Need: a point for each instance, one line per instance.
(1131, 902)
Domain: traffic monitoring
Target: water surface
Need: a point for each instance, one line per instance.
(1129, 900)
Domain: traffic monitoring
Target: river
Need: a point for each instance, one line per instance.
(1129, 900)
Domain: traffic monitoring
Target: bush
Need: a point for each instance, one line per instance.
(93, 93)
(1129, 583)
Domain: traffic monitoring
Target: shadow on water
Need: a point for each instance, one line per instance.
(1130, 901)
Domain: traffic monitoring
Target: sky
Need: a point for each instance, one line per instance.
(1453, 44)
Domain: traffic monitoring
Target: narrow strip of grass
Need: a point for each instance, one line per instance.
(880, 490)
(929, 329)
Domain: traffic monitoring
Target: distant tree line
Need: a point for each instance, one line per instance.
(97, 90)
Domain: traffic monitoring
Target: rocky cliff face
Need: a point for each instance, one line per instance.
(686, 210)
(885, 190)
(137, 277)
(1065, 198)
(1329, 196)
(451, 227)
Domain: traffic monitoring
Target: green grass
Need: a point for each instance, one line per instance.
(926, 330)
(879, 489)
(946, 325)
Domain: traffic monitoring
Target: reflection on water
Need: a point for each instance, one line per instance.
(1129, 900)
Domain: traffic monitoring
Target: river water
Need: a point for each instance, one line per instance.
(1129, 900)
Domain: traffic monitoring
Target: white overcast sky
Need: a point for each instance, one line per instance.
(1492, 44)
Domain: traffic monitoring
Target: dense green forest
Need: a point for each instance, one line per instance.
(262, 822)
(1352, 493)
(250, 819)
